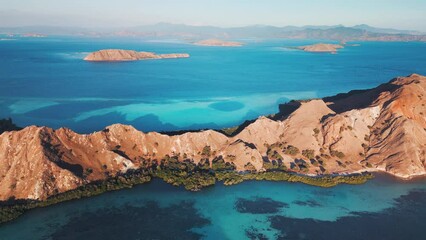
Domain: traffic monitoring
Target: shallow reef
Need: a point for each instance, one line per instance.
(135, 222)
(405, 220)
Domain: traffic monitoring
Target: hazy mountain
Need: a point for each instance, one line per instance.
(336, 32)
(188, 32)
(47, 30)
(386, 30)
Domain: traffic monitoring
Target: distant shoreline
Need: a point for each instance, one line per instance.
(192, 33)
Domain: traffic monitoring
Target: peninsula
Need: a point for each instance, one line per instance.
(110, 55)
(324, 142)
(218, 43)
(321, 47)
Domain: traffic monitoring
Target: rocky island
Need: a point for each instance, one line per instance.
(323, 142)
(321, 47)
(33, 35)
(218, 43)
(111, 55)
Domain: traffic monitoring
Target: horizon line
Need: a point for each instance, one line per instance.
(216, 26)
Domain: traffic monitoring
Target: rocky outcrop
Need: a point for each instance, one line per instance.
(110, 55)
(382, 129)
(321, 47)
(33, 35)
(218, 43)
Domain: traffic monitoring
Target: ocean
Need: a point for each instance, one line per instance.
(44, 81)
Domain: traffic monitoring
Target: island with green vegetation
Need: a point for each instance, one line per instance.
(306, 142)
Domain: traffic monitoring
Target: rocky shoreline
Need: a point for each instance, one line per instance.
(118, 55)
(321, 47)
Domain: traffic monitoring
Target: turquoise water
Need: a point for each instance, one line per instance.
(217, 205)
(46, 82)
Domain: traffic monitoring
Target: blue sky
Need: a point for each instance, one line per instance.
(403, 14)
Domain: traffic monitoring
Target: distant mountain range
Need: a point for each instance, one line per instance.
(180, 31)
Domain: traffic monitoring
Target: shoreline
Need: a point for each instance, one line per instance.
(197, 180)
(13, 209)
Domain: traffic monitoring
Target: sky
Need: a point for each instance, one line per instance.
(401, 14)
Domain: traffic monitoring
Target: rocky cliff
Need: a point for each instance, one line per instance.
(381, 129)
(110, 55)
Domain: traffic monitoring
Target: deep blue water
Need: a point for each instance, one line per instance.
(46, 82)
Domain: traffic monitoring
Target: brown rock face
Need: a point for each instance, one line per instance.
(321, 47)
(398, 139)
(382, 129)
(218, 43)
(29, 169)
(110, 55)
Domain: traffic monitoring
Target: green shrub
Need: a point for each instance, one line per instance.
(308, 153)
(249, 167)
(291, 150)
(273, 165)
(206, 151)
(316, 131)
(314, 162)
(204, 164)
(272, 154)
(337, 154)
(218, 164)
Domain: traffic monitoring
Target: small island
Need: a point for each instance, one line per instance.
(116, 55)
(321, 47)
(218, 43)
(33, 35)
